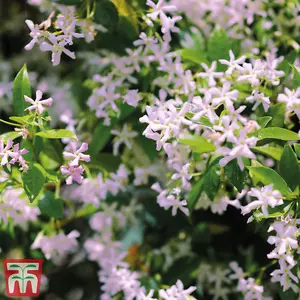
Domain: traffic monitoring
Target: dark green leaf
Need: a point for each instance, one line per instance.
(235, 175)
(296, 78)
(106, 14)
(101, 136)
(289, 167)
(297, 149)
(66, 2)
(209, 183)
(21, 88)
(51, 206)
(195, 194)
(33, 180)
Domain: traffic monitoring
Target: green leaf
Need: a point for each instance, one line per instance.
(268, 176)
(297, 149)
(274, 152)
(106, 14)
(11, 135)
(57, 134)
(21, 120)
(278, 133)
(51, 206)
(218, 45)
(198, 143)
(277, 112)
(235, 175)
(21, 88)
(66, 2)
(296, 78)
(289, 167)
(101, 136)
(106, 161)
(33, 180)
(264, 121)
(193, 55)
(209, 183)
(195, 194)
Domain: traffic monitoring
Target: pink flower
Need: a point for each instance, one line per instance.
(77, 155)
(37, 104)
(73, 172)
(57, 48)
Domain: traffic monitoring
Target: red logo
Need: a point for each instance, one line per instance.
(23, 277)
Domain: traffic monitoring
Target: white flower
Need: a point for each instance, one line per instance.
(284, 275)
(57, 48)
(266, 196)
(176, 292)
(132, 98)
(38, 104)
(233, 64)
(210, 73)
(123, 136)
(159, 8)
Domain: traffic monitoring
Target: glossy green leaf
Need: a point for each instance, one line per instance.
(209, 183)
(235, 175)
(11, 135)
(21, 88)
(277, 112)
(264, 121)
(278, 133)
(218, 45)
(273, 152)
(193, 55)
(268, 176)
(57, 134)
(101, 136)
(51, 206)
(106, 14)
(198, 144)
(33, 180)
(289, 167)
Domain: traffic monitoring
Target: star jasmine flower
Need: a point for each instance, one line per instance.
(240, 149)
(123, 136)
(210, 73)
(177, 292)
(266, 196)
(233, 64)
(259, 98)
(160, 8)
(132, 98)
(35, 33)
(77, 154)
(284, 275)
(38, 104)
(73, 172)
(57, 48)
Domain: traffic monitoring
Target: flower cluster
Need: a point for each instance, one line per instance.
(73, 169)
(57, 41)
